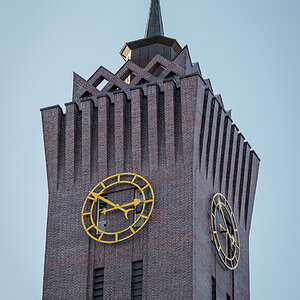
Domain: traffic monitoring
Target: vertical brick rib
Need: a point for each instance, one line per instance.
(206, 133)
(249, 179)
(127, 136)
(78, 148)
(169, 88)
(190, 89)
(242, 176)
(52, 118)
(103, 115)
(95, 145)
(153, 94)
(211, 149)
(243, 189)
(210, 130)
(237, 173)
(251, 188)
(178, 127)
(136, 118)
(220, 150)
(224, 157)
(71, 121)
(87, 114)
(119, 99)
(145, 133)
(216, 144)
(202, 130)
(161, 131)
(231, 162)
(62, 152)
(227, 165)
(111, 150)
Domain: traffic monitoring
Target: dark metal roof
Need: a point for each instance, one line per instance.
(155, 23)
(148, 42)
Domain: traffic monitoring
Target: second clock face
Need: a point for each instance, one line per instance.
(225, 234)
(117, 208)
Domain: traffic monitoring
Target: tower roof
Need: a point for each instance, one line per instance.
(142, 51)
(155, 23)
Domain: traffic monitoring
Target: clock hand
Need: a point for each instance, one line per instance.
(224, 219)
(106, 201)
(136, 202)
(116, 206)
(224, 230)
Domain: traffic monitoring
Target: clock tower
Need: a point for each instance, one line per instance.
(151, 185)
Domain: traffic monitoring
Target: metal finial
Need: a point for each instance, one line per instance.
(155, 23)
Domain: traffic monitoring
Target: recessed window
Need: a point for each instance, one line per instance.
(98, 283)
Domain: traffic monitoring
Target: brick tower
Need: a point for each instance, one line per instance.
(156, 117)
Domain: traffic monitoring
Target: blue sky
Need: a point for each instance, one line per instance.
(249, 50)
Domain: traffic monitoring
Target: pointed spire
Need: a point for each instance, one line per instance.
(155, 23)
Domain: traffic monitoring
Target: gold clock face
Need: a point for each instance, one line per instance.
(117, 208)
(225, 235)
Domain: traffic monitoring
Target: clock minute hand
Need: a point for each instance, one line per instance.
(107, 201)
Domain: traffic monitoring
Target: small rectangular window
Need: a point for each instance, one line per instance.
(98, 284)
(213, 288)
(137, 280)
(101, 217)
(138, 195)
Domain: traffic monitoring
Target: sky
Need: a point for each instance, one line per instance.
(249, 50)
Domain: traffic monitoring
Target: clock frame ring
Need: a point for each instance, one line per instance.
(96, 193)
(231, 256)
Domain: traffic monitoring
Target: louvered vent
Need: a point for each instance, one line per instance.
(137, 280)
(213, 288)
(98, 284)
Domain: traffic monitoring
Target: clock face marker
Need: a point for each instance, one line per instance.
(91, 198)
(149, 201)
(145, 187)
(133, 179)
(130, 208)
(90, 227)
(101, 235)
(87, 214)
